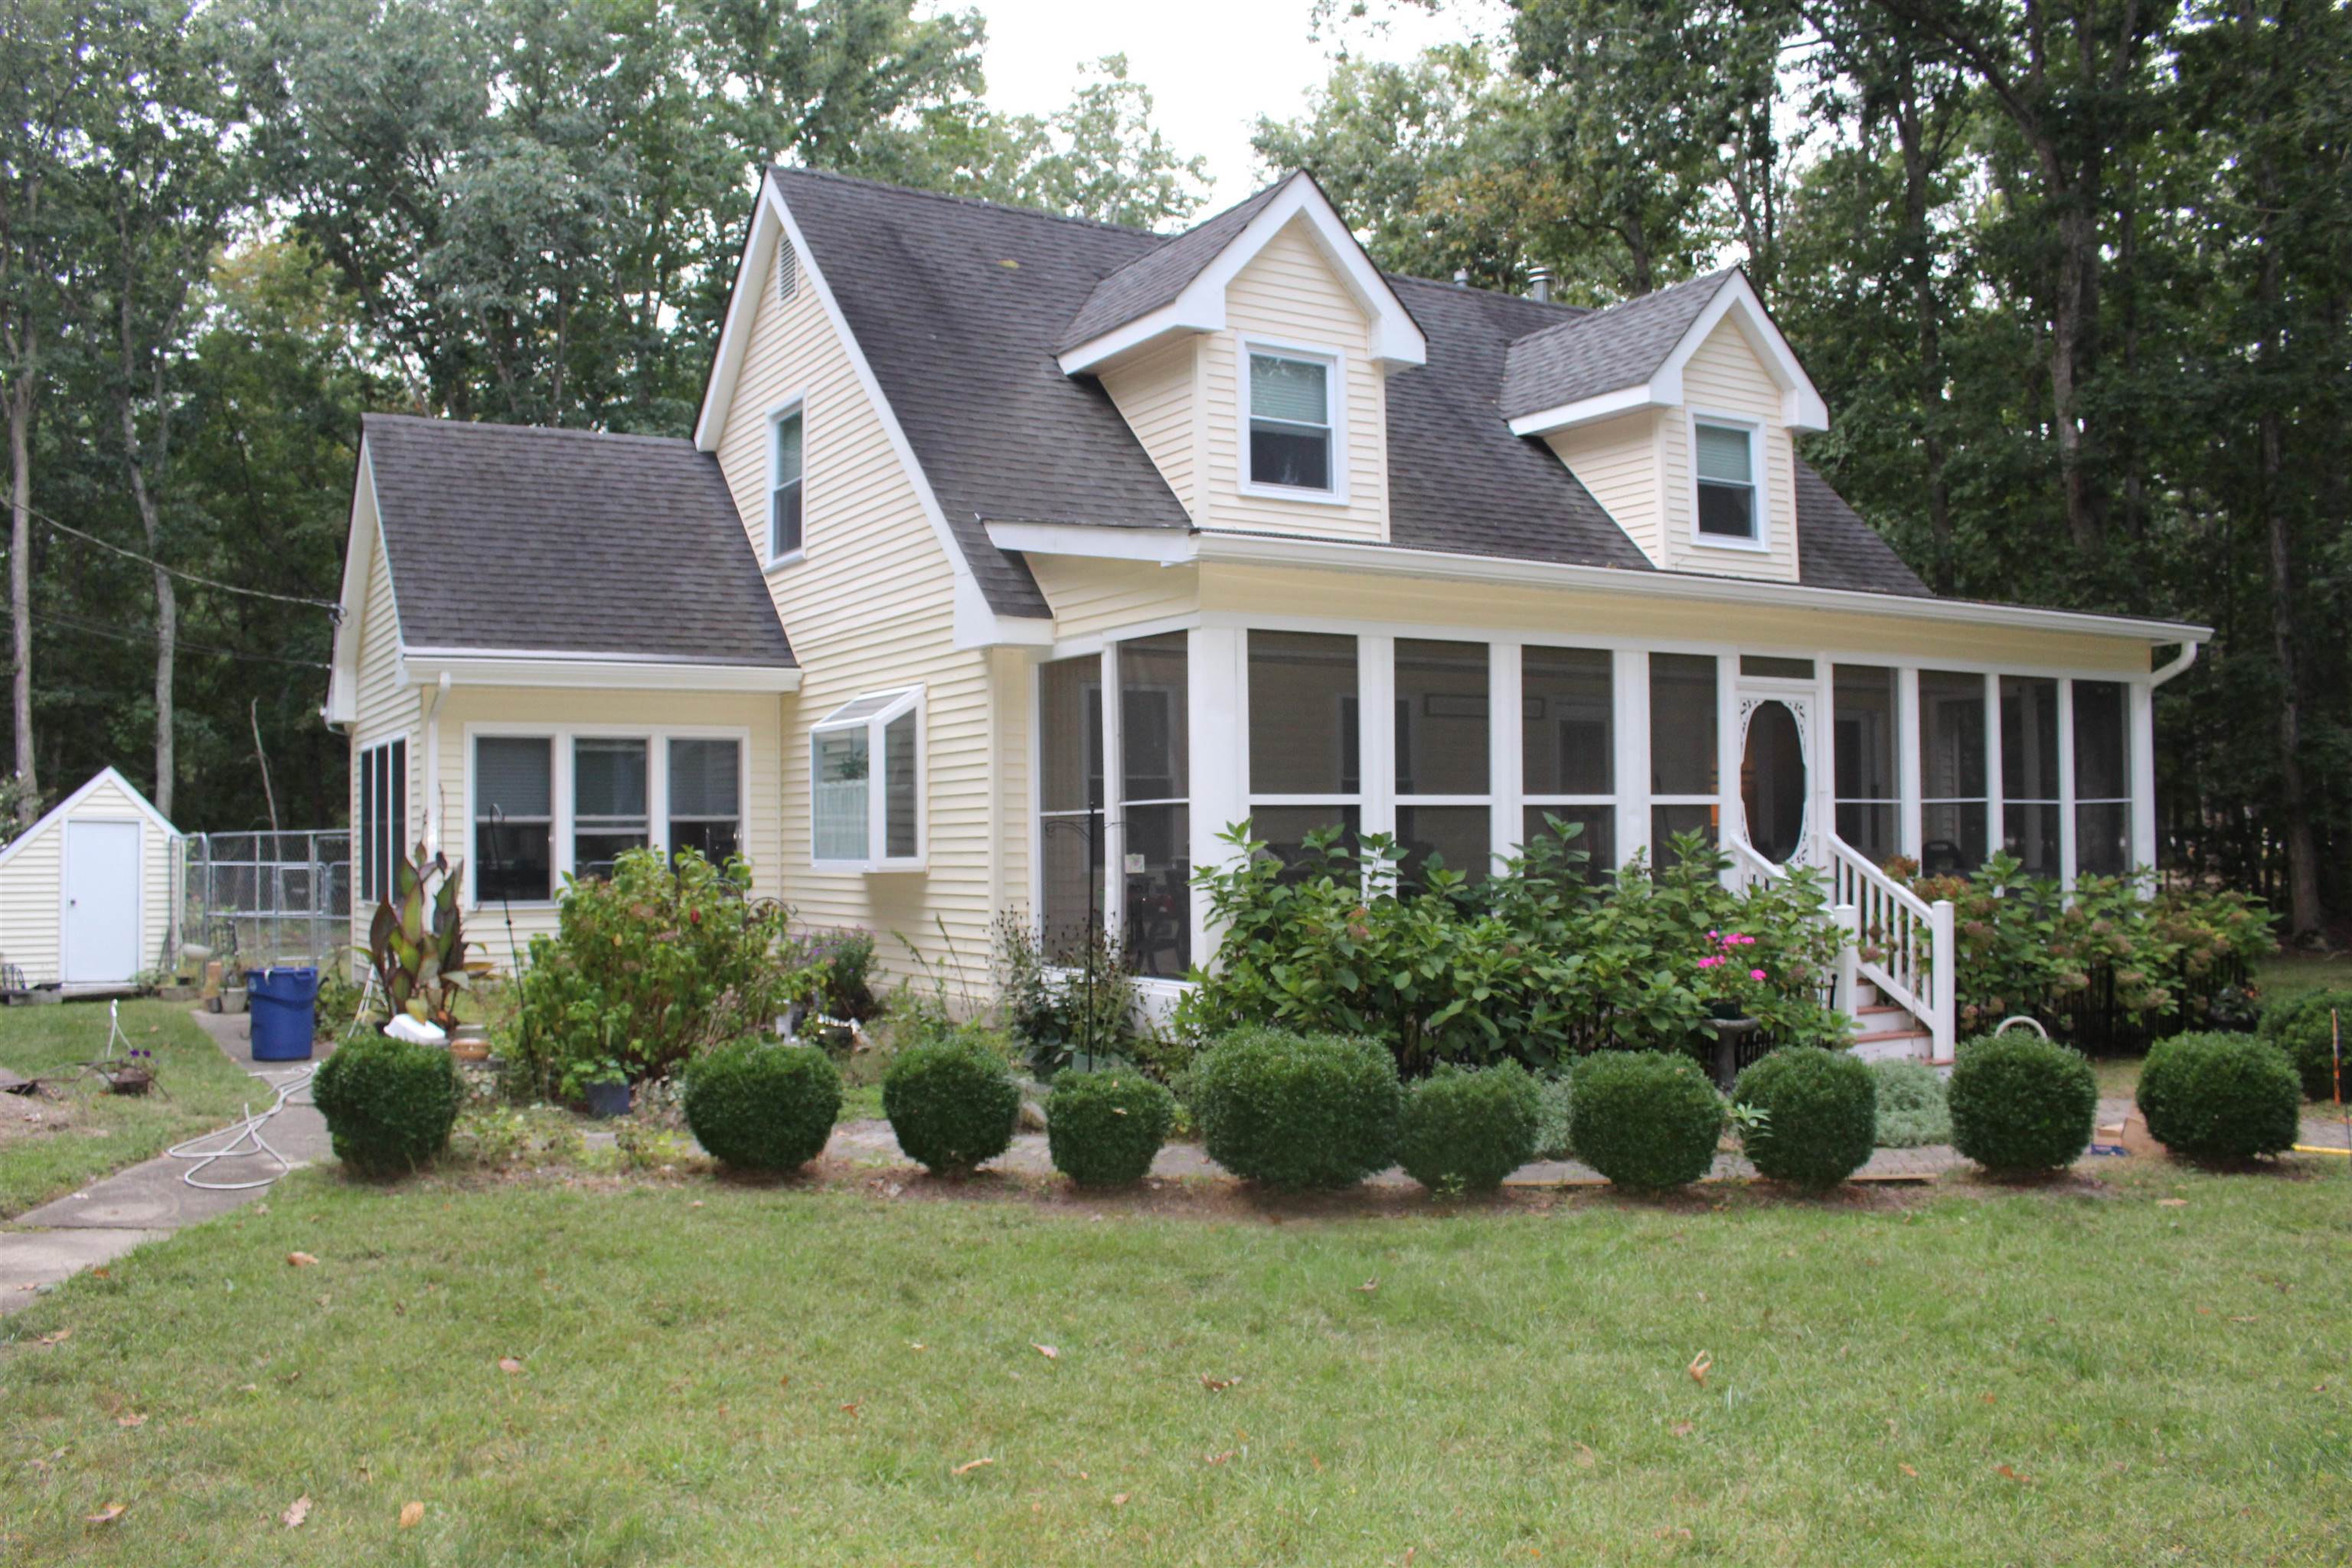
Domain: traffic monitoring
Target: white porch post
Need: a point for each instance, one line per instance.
(2140, 700)
(1630, 685)
(1907, 759)
(1730, 819)
(1505, 779)
(1114, 815)
(1376, 730)
(1995, 835)
(1217, 711)
(2066, 849)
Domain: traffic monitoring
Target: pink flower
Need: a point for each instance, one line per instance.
(1755, 974)
(1710, 960)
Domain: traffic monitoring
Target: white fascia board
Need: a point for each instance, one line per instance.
(363, 537)
(1162, 546)
(1801, 406)
(590, 671)
(735, 326)
(1396, 339)
(1663, 391)
(1432, 565)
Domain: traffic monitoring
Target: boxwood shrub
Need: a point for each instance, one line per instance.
(952, 1101)
(1648, 1120)
(1821, 1115)
(761, 1105)
(1912, 1113)
(389, 1104)
(1103, 1127)
(1298, 1111)
(1463, 1131)
(2220, 1096)
(2304, 1027)
(2020, 1104)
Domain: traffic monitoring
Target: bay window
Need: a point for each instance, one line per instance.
(1567, 749)
(2029, 804)
(1864, 708)
(514, 820)
(1954, 827)
(1305, 771)
(2103, 802)
(382, 817)
(865, 773)
(1684, 764)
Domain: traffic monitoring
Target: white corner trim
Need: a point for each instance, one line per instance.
(1396, 339)
(588, 671)
(65, 808)
(362, 538)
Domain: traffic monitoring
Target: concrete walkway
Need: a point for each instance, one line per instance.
(149, 1201)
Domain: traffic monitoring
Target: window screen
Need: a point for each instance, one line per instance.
(514, 818)
(1290, 422)
(705, 812)
(1727, 481)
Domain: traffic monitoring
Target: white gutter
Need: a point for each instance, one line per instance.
(2178, 665)
(598, 671)
(1172, 547)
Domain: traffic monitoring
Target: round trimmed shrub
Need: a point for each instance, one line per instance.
(1103, 1127)
(389, 1103)
(1464, 1131)
(761, 1105)
(1912, 1113)
(2304, 1027)
(2220, 1096)
(1648, 1120)
(2022, 1104)
(952, 1102)
(1821, 1115)
(1298, 1111)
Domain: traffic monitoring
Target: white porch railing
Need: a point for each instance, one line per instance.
(1749, 868)
(1903, 944)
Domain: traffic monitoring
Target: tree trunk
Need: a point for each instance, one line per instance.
(20, 583)
(1918, 266)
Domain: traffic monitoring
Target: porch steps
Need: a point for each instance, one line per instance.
(1889, 1032)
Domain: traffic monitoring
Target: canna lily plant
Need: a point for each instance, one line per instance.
(416, 943)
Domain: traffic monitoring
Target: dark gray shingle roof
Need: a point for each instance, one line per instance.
(1156, 277)
(1602, 351)
(507, 536)
(1835, 549)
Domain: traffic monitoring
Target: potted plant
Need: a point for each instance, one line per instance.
(603, 1083)
(133, 1074)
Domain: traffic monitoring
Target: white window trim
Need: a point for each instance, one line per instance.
(560, 829)
(903, 701)
(1759, 481)
(1336, 384)
(778, 412)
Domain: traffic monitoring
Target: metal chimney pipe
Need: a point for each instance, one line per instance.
(1539, 284)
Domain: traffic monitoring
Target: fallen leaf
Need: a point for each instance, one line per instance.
(2005, 1473)
(1989, 1399)
(917, 1346)
(1118, 1499)
(1368, 1286)
(98, 1274)
(412, 1515)
(60, 1337)
(1217, 1384)
(508, 1363)
(1048, 1351)
(1680, 1428)
(971, 1465)
(1217, 1458)
(295, 1511)
(852, 1406)
(106, 1515)
(300, 1259)
(2245, 1320)
(1586, 1457)
(1701, 1365)
(785, 1381)
(1908, 1471)
(324, 1299)
(134, 1419)
(2172, 1203)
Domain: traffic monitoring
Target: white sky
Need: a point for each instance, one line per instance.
(1212, 66)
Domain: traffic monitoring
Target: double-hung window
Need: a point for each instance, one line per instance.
(1291, 421)
(1442, 781)
(514, 820)
(383, 816)
(1724, 460)
(564, 802)
(706, 806)
(2103, 802)
(1567, 750)
(865, 761)
(610, 809)
(785, 437)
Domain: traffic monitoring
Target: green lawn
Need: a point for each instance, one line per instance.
(2283, 975)
(92, 1131)
(717, 1374)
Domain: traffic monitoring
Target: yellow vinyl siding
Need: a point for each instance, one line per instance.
(386, 708)
(870, 608)
(1093, 596)
(1154, 393)
(1619, 461)
(1724, 376)
(1289, 293)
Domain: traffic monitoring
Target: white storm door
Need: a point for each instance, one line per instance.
(102, 895)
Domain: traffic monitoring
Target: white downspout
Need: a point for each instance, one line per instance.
(2178, 666)
(431, 834)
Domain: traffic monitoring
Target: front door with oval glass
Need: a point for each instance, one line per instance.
(1775, 793)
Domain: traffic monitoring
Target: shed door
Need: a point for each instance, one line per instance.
(102, 895)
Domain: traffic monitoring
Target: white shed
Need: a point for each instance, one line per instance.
(87, 892)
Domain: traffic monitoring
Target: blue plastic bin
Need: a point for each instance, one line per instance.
(285, 1006)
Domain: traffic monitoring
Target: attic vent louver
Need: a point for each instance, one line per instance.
(788, 271)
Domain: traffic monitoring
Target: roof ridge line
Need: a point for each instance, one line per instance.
(835, 177)
(443, 422)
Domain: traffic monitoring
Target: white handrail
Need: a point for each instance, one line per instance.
(1905, 944)
(1749, 868)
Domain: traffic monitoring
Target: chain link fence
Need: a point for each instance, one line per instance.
(269, 899)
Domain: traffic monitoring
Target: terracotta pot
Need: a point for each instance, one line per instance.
(470, 1046)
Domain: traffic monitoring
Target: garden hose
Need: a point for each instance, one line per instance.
(244, 1139)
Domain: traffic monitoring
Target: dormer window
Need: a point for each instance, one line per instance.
(1290, 421)
(1725, 462)
(784, 485)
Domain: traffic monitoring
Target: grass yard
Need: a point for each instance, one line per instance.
(716, 1374)
(50, 1147)
(2285, 974)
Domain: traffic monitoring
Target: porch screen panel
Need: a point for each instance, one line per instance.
(1443, 780)
(1868, 797)
(1952, 813)
(1305, 760)
(1156, 786)
(514, 818)
(1567, 750)
(1682, 766)
(2029, 775)
(1070, 795)
(2103, 802)
(706, 808)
